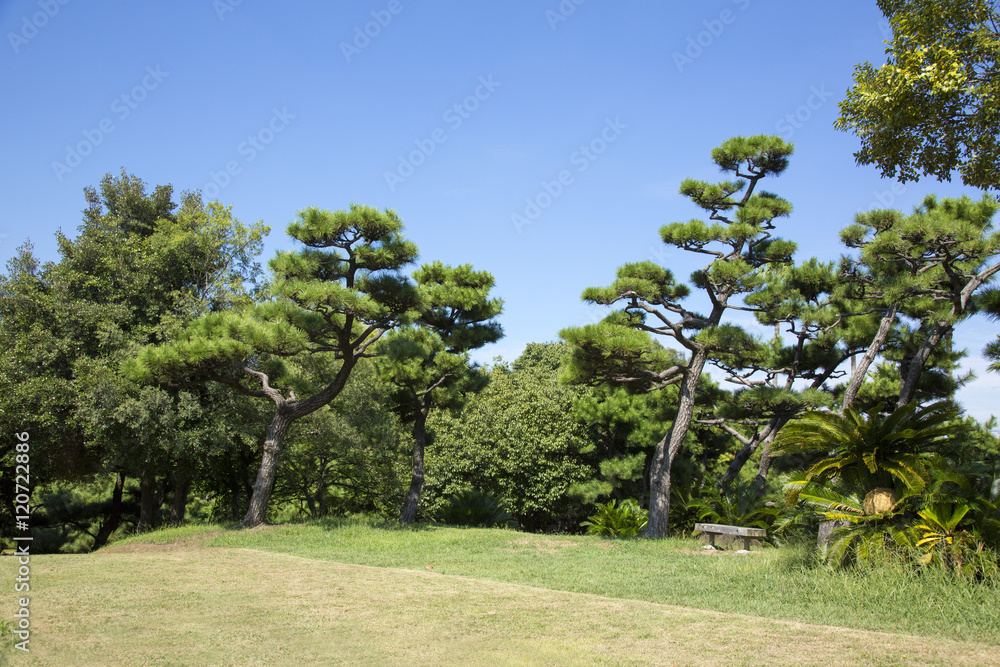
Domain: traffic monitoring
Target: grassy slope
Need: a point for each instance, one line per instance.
(769, 583)
(182, 603)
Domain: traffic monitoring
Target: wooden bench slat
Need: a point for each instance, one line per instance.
(722, 529)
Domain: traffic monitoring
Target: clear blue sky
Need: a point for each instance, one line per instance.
(454, 113)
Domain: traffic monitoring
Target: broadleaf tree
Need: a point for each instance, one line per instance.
(933, 107)
(427, 362)
(138, 268)
(337, 296)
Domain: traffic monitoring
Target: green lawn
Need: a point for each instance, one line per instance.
(772, 583)
(355, 593)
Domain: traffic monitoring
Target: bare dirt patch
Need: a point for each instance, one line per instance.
(198, 541)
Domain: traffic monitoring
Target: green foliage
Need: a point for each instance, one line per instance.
(930, 109)
(347, 457)
(738, 504)
(895, 485)
(517, 440)
(68, 516)
(928, 267)
(332, 296)
(621, 520)
(992, 352)
(332, 300)
(871, 450)
(475, 508)
(428, 362)
(139, 268)
(989, 302)
(613, 352)
(741, 245)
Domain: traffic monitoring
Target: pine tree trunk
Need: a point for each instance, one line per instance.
(861, 370)
(110, 525)
(659, 498)
(274, 442)
(765, 455)
(409, 513)
(666, 450)
(147, 498)
(908, 383)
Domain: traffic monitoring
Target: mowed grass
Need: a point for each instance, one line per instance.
(355, 593)
(772, 583)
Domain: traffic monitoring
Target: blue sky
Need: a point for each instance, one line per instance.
(542, 141)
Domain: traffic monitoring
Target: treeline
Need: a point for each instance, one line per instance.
(164, 376)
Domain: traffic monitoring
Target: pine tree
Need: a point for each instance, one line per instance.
(428, 362)
(740, 243)
(805, 305)
(336, 297)
(927, 267)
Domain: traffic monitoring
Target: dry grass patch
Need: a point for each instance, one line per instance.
(550, 546)
(226, 606)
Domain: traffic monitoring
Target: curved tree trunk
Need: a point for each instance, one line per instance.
(765, 455)
(763, 437)
(274, 442)
(911, 374)
(110, 525)
(409, 513)
(666, 450)
(861, 370)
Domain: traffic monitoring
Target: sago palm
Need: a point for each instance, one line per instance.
(865, 533)
(870, 450)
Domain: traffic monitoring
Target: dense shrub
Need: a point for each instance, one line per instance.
(517, 441)
(475, 508)
(625, 520)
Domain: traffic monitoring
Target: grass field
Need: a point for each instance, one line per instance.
(355, 593)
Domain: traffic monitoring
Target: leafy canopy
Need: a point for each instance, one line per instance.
(933, 106)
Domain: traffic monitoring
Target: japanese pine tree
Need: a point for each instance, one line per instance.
(927, 267)
(428, 362)
(990, 304)
(738, 240)
(330, 301)
(806, 307)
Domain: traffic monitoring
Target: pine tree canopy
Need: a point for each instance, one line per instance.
(337, 295)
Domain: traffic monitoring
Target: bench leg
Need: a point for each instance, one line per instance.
(746, 543)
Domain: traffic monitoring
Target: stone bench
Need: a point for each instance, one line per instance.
(713, 529)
